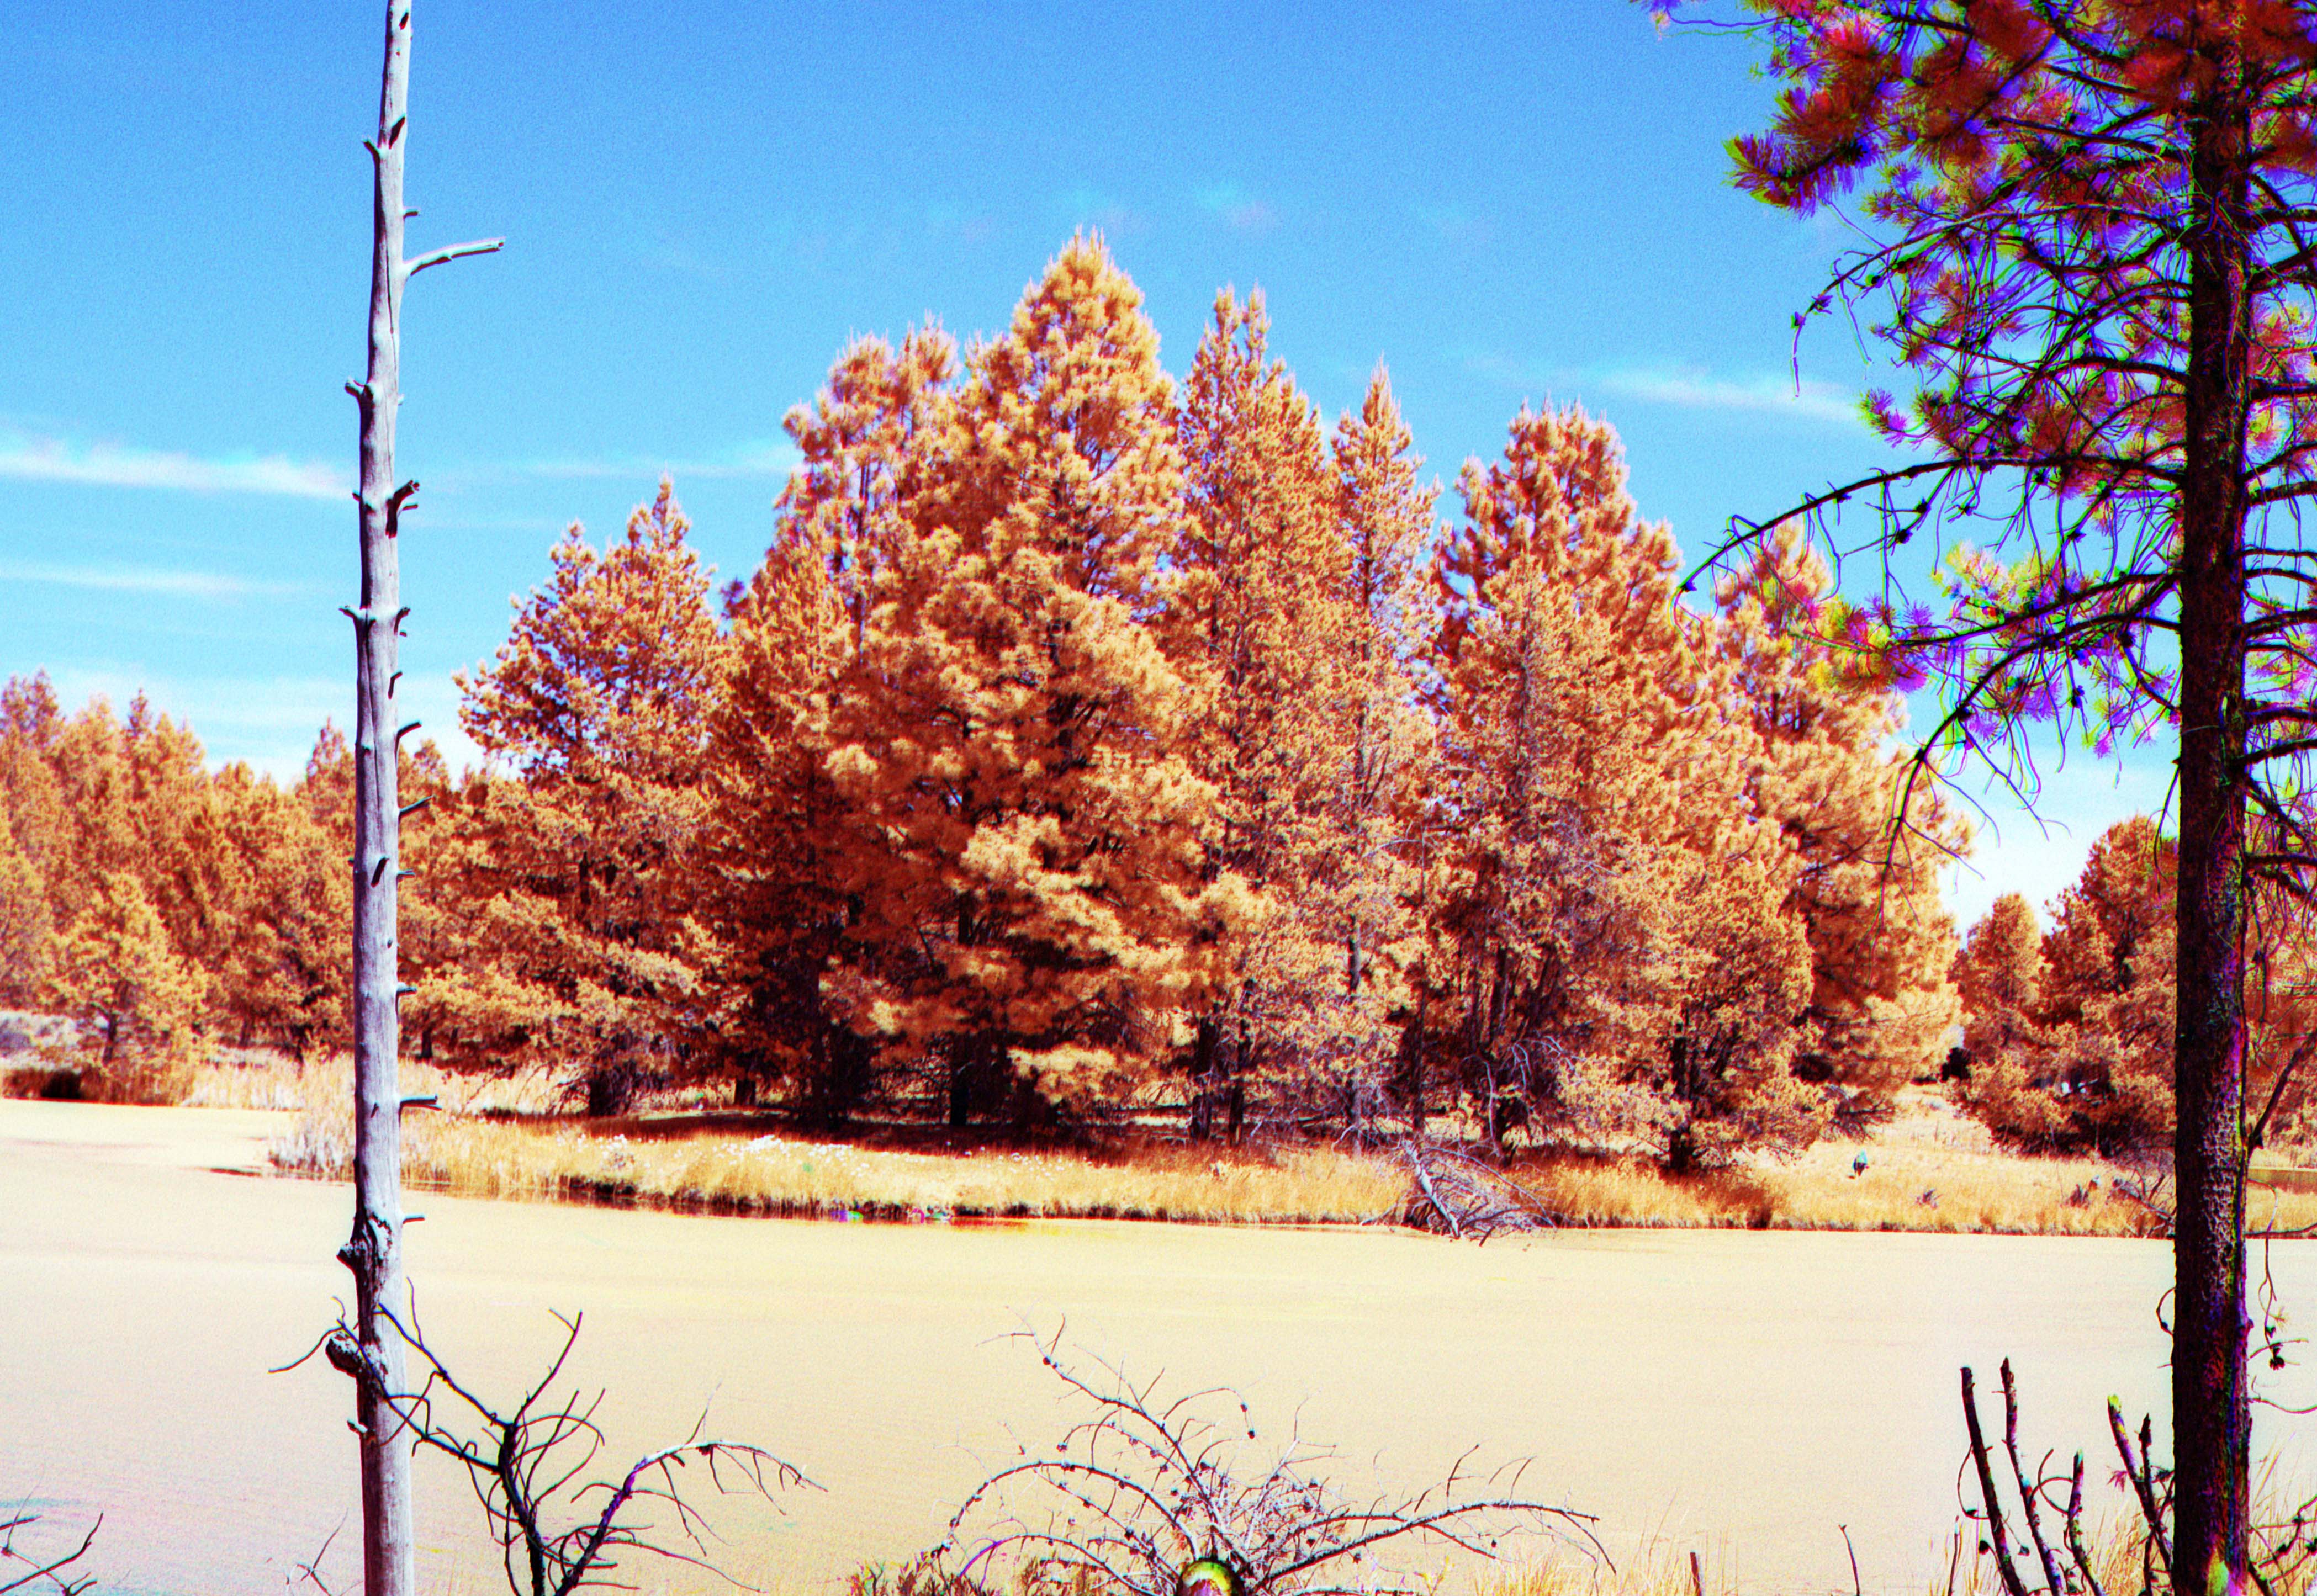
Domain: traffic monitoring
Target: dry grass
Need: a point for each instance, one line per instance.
(1929, 1169)
(1662, 1569)
(1659, 1568)
(779, 1174)
(256, 1079)
(2115, 1543)
(499, 1138)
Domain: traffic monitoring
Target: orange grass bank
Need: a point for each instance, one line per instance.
(1927, 1169)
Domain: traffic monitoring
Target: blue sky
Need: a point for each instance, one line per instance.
(702, 202)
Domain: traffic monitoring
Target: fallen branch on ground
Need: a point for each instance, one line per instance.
(1458, 1194)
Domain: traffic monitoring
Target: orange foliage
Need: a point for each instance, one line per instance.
(1371, 893)
(1865, 887)
(115, 969)
(1081, 740)
(154, 898)
(574, 871)
(1260, 618)
(798, 624)
(2070, 1034)
(1022, 833)
(1625, 964)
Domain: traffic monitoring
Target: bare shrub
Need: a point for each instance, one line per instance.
(1146, 1491)
(558, 1536)
(2036, 1529)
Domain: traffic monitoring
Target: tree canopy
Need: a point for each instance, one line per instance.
(1088, 746)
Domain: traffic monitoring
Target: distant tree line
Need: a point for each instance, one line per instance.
(2069, 1033)
(1087, 744)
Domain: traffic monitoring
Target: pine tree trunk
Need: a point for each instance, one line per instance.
(374, 1252)
(1414, 1078)
(965, 1052)
(1203, 1079)
(2210, 1408)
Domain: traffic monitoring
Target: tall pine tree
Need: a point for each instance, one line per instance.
(1022, 837)
(579, 869)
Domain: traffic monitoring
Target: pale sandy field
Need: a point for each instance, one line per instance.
(1740, 1393)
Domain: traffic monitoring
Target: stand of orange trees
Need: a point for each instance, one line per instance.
(1091, 746)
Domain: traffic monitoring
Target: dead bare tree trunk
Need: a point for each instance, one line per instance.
(373, 1252)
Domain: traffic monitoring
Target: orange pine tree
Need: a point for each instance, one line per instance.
(1373, 889)
(577, 873)
(1259, 620)
(1866, 884)
(848, 501)
(1020, 835)
(115, 970)
(92, 802)
(1627, 962)
(778, 910)
(283, 974)
(191, 869)
(2070, 1034)
(26, 933)
(32, 817)
(799, 622)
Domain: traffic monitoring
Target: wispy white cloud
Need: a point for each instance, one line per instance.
(32, 458)
(670, 252)
(1247, 212)
(1688, 388)
(268, 721)
(1695, 389)
(1088, 206)
(950, 221)
(1458, 226)
(495, 523)
(140, 579)
(774, 458)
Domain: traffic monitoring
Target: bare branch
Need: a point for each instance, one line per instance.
(28, 1572)
(451, 252)
(1138, 1494)
(524, 1466)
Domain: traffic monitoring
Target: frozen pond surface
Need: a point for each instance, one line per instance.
(1739, 1393)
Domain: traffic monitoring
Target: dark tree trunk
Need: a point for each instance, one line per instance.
(965, 1056)
(1412, 1082)
(1203, 1079)
(611, 1090)
(842, 1074)
(2210, 1408)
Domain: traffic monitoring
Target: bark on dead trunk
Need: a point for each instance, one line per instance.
(2210, 1408)
(373, 1252)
